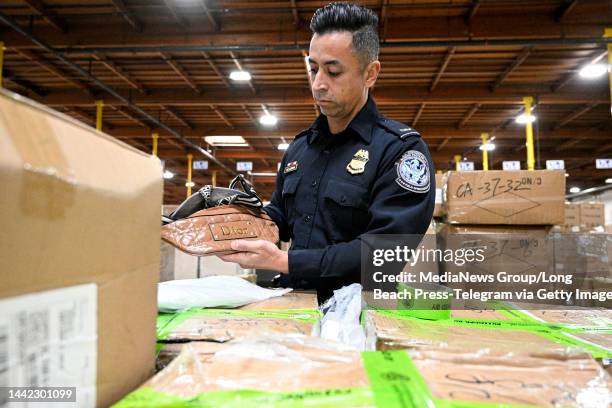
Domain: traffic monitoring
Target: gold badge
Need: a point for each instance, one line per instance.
(291, 166)
(357, 165)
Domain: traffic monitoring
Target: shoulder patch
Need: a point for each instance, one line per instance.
(399, 129)
(413, 172)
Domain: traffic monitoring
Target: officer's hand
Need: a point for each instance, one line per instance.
(258, 254)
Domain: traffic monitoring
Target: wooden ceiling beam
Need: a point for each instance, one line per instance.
(172, 112)
(511, 68)
(47, 65)
(418, 114)
(127, 15)
(23, 83)
(295, 13)
(302, 96)
(577, 113)
(443, 143)
(222, 116)
(443, 66)
(180, 71)
(117, 70)
(564, 9)
(171, 7)
(570, 76)
(468, 115)
(41, 9)
(472, 11)
(128, 114)
(214, 22)
(216, 68)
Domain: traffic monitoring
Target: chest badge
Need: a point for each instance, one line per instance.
(357, 164)
(290, 167)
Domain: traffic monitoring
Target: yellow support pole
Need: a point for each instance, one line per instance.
(608, 34)
(214, 178)
(99, 108)
(528, 101)
(154, 136)
(1, 61)
(485, 153)
(189, 165)
(457, 160)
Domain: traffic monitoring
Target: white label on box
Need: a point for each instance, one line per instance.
(511, 165)
(466, 166)
(244, 166)
(555, 165)
(49, 339)
(438, 196)
(200, 165)
(603, 163)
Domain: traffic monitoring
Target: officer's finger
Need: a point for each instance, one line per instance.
(247, 246)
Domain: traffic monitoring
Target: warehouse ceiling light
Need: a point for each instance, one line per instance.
(240, 76)
(267, 119)
(609, 181)
(593, 71)
(524, 119)
(168, 174)
(263, 174)
(226, 141)
(574, 190)
(190, 184)
(487, 147)
(283, 146)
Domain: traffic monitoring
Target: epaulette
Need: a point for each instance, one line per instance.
(399, 129)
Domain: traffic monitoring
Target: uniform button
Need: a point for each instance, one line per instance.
(314, 183)
(307, 218)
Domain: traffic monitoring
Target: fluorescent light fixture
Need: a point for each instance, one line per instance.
(226, 141)
(189, 184)
(523, 119)
(263, 174)
(168, 174)
(566, 174)
(574, 190)
(240, 76)
(283, 146)
(588, 190)
(609, 181)
(593, 71)
(487, 147)
(268, 120)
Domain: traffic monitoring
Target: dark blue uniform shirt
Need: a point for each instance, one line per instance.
(375, 177)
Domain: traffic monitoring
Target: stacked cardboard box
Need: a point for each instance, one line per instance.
(79, 255)
(583, 216)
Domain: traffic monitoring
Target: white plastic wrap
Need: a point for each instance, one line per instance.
(341, 320)
(212, 291)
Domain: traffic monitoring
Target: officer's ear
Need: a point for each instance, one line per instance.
(371, 73)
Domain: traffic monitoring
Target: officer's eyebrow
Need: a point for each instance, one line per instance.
(328, 62)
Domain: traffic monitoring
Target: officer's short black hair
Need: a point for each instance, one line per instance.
(358, 20)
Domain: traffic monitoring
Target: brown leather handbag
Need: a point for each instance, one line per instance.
(208, 221)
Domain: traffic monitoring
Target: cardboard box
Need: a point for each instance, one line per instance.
(316, 373)
(583, 216)
(506, 197)
(440, 186)
(592, 214)
(291, 300)
(79, 254)
(517, 250)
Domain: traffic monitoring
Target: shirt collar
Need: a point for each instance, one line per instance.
(362, 124)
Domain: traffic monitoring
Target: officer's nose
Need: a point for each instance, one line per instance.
(319, 84)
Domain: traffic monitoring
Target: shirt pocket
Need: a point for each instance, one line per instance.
(345, 210)
(290, 186)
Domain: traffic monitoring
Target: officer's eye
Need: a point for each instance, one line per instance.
(334, 74)
(313, 71)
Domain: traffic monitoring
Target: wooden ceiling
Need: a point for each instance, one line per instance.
(452, 69)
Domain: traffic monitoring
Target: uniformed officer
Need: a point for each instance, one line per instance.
(352, 172)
